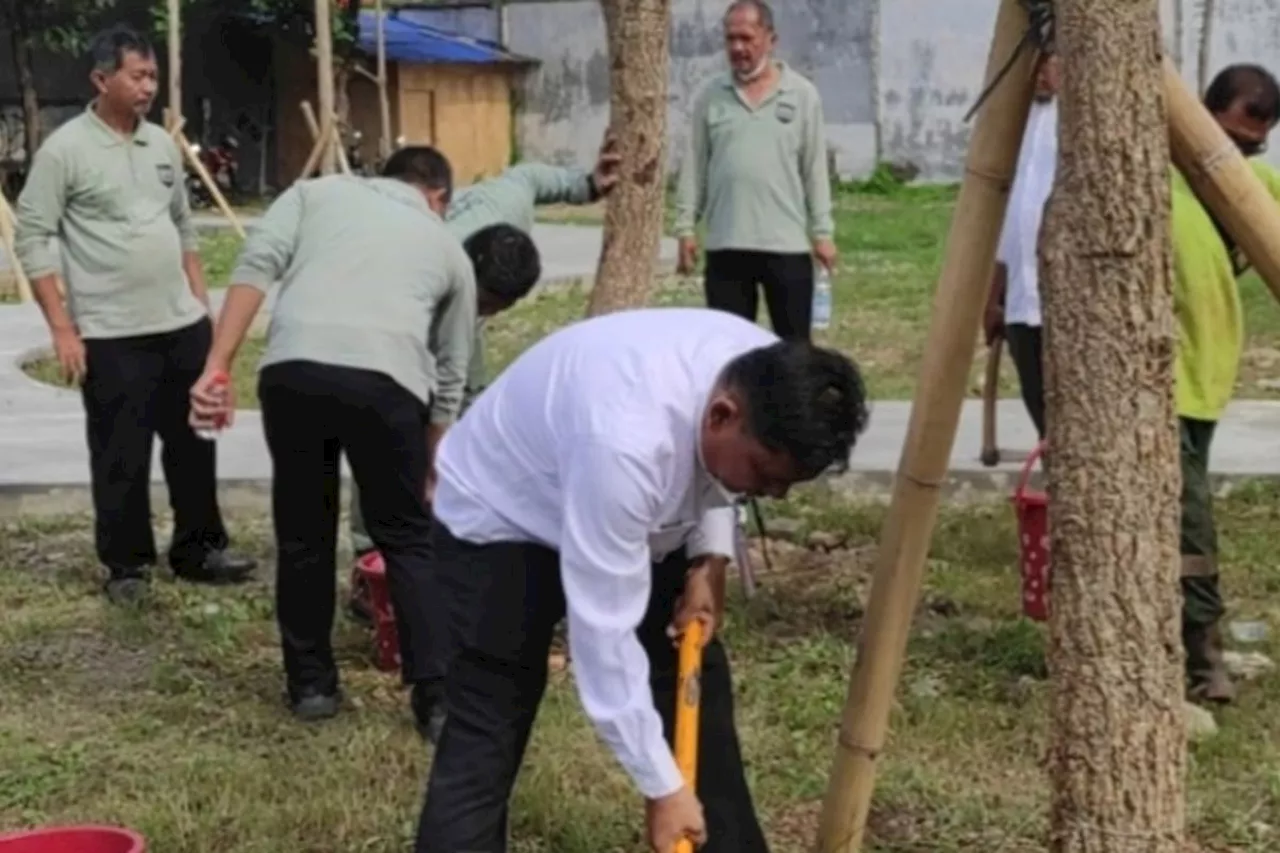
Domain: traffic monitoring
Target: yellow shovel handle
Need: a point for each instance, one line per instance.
(688, 698)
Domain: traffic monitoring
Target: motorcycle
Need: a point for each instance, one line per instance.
(221, 163)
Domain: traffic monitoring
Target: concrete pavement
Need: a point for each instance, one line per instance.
(44, 462)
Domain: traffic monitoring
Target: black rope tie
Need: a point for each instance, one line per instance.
(1039, 35)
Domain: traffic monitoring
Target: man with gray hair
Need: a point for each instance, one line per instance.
(135, 330)
(756, 173)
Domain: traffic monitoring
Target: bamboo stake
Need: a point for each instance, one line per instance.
(1222, 178)
(324, 84)
(218, 198)
(8, 225)
(384, 104)
(175, 63)
(323, 139)
(339, 148)
(904, 542)
(313, 127)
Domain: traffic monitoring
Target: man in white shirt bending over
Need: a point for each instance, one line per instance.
(1013, 309)
(596, 480)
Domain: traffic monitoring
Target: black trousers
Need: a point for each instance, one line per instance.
(505, 601)
(135, 389)
(312, 413)
(1026, 348)
(787, 279)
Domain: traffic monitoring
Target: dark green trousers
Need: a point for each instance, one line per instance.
(1202, 600)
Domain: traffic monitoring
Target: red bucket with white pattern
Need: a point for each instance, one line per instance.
(1032, 511)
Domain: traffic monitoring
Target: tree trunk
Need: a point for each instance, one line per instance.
(23, 42)
(638, 51)
(1117, 752)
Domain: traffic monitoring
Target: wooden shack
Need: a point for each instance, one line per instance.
(445, 90)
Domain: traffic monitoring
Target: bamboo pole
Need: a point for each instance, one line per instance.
(1222, 178)
(384, 103)
(324, 85)
(218, 198)
(339, 148)
(904, 542)
(8, 225)
(175, 63)
(313, 127)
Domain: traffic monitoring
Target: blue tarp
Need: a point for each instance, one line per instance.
(407, 41)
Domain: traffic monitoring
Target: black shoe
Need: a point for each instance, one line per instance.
(127, 591)
(218, 567)
(428, 713)
(313, 705)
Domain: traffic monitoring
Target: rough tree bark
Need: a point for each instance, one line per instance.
(1117, 751)
(638, 52)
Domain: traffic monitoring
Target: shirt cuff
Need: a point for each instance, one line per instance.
(662, 777)
(715, 535)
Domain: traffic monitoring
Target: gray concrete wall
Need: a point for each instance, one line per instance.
(565, 102)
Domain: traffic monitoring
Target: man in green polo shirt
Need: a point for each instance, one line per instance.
(366, 356)
(1245, 100)
(511, 199)
(756, 172)
(108, 185)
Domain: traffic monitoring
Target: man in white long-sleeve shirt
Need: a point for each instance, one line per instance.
(596, 480)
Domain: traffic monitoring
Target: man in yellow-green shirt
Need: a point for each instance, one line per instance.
(1245, 100)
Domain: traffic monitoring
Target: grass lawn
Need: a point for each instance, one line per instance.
(170, 719)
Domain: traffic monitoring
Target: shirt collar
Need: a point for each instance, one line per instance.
(786, 78)
(108, 135)
(401, 192)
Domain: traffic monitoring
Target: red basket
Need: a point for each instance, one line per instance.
(73, 839)
(1032, 510)
(371, 573)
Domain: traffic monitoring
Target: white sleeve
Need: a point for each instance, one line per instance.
(611, 499)
(714, 535)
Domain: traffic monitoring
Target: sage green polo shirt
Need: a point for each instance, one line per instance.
(757, 175)
(117, 206)
(370, 278)
(511, 199)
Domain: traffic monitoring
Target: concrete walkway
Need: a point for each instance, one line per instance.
(44, 461)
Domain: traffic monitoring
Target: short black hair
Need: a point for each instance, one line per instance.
(108, 47)
(422, 165)
(506, 261)
(764, 13)
(803, 400)
(1255, 84)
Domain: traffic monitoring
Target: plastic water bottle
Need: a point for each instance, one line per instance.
(221, 385)
(821, 298)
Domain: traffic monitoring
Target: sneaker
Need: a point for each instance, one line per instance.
(127, 591)
(219, 567)
(313, 705)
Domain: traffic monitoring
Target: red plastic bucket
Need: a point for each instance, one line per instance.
(1032, 511)
(73, 839)
(371, 573)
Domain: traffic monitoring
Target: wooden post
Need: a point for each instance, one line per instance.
(8, 224)
(324, 85)
(175, 63)
(953, 330)
(384, 103)
(1222, 178)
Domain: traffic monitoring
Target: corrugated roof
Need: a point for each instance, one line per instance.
(409, 41)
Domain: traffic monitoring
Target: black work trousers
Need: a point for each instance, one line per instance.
(312, 414)
(1026, 348)
(135, 389)
(732, 278)
(505, 600)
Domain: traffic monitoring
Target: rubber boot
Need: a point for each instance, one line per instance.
(1207, 678)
